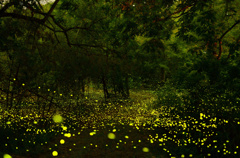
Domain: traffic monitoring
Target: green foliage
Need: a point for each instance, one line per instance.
(207, 86)
(188, 51)
(170, 96)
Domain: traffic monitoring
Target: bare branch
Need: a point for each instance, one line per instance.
(50, 28)
(183, 13)
(40, 5)
(237, 22)
(86, 45)
(19, 16)
(50, 11)
(221, 38)
(42, 22)
(176, 12)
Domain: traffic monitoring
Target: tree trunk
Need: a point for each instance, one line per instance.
(83, 87)
(50, 104)
(105, 90)
(127, 86)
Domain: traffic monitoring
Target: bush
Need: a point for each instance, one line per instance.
(208, 86)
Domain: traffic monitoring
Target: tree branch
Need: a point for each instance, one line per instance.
(176, 12)
(19, 16)
(220, 39)
(50, 11)
(86, 45)
(6, 6)
(40, 5)
(62, 29)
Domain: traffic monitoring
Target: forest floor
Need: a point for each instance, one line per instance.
(113, 132)
(123, 128)
(117, 128)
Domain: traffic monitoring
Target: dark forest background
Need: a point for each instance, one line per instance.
(75, 56)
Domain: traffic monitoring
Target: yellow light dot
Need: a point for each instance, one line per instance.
(126, 137)
(55, 153)
(111, 136)
(67, 135)
(145, 149)
(62, 141)
(92, 133)
(64, 128)
(23, 84)
(7, 156)
(57, 118)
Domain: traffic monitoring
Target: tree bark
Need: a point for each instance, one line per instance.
(105, 90)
